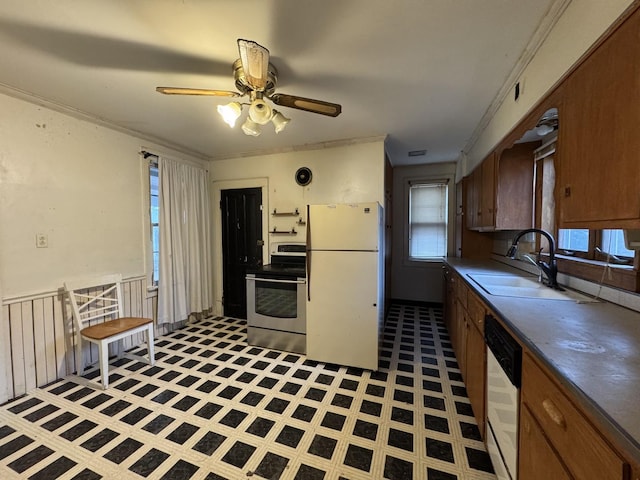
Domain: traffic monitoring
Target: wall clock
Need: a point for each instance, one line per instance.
(303, 176)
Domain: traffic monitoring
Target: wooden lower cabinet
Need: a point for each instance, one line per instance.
(557, 439)
(537, 459)
(476, 374)
(449, 278)
(459, 337)
(465, 321)
(578, 445)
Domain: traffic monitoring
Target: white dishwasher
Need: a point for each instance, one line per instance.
(504, 368)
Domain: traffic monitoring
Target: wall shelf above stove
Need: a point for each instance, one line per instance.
(295, 213)
(275, 231)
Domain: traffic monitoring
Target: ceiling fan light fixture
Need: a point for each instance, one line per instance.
(230, 112)
(260, 112)
(279, 121)
(256, 77)
(249, 127)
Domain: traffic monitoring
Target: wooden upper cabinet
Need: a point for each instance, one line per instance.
(500, 190)
(514, 189)
(599, 142)
(480, 195)
(469, 243)
(473, 206)
(488, 192)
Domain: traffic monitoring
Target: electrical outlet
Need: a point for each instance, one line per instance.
(41, 240)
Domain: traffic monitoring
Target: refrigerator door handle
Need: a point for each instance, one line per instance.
(308, 255)
(309, 276)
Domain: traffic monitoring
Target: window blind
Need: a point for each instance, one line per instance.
(427, 220)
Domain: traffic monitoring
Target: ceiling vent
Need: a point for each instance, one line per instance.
(417, 153)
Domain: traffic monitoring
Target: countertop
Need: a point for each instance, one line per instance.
(594, 348)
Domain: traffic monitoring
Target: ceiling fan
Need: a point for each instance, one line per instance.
(256, 77)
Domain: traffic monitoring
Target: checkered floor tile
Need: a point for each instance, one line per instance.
(216, 408)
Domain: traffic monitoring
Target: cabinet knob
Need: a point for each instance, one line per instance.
(567, 191)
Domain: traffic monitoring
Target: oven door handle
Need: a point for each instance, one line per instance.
(273, 280)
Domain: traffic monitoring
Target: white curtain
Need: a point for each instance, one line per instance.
(185, 270)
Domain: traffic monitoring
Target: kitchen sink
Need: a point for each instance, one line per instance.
(506, 285)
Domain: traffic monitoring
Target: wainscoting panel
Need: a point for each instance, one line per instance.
(37, 340)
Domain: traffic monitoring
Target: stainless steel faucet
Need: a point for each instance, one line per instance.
(550, 269)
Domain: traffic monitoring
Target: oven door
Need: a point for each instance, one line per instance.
(276, 303)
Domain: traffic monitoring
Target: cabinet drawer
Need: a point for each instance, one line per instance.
(585, 453)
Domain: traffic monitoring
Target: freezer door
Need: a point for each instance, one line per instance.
(344, 226)
(343, 311)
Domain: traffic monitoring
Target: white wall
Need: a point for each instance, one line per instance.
(342, 174)
(418, 281)
(82, 185)
(579, 27)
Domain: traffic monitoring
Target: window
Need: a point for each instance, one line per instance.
(613, 244)
(428, 220)
(572, 240)
(594, 244)
(154, 215)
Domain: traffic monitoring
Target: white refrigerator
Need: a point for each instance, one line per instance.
(345, 283)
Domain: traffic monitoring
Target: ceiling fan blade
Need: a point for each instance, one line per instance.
(307, 104)
(93, 50)
(196, 91)
(255, 63)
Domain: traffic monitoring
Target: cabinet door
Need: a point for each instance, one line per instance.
(488, 193)
(598, 135)
(563, 423)
(450, 298)
(476, 357)
(514, 189)
(473, 206)
(460, 216)
(536, 458)
(459, 337)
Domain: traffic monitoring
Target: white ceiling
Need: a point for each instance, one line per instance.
(421, 72)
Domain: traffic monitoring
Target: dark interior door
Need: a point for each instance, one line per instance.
(241, 245)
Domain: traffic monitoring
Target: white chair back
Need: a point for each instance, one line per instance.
(96, 300)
